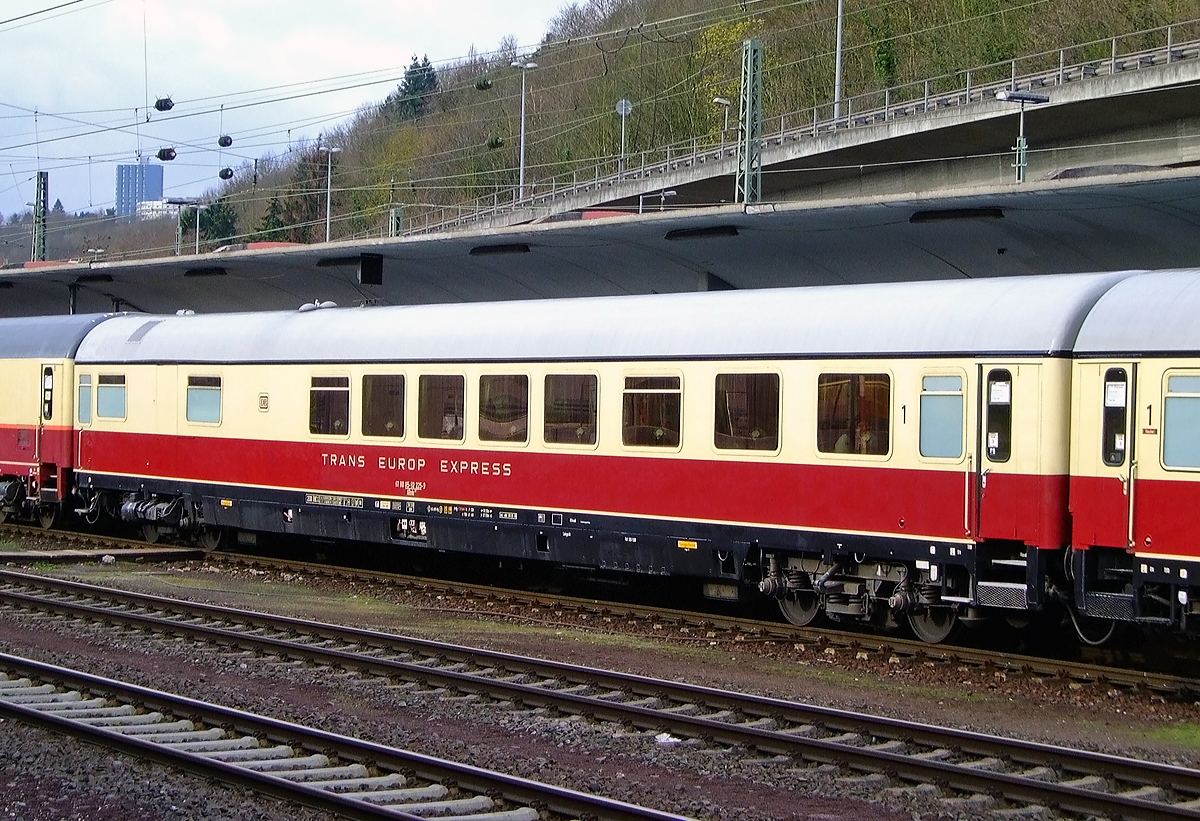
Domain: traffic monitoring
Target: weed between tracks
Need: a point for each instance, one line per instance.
(1182, 733)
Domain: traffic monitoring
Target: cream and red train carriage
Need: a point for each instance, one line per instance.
(1135, 456)
(868, 452)
(36, 413)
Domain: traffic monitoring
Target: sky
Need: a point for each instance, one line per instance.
(82, 77)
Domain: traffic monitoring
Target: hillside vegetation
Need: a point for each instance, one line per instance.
(450, 133)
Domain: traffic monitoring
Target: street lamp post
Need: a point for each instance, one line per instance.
(329, 151)
(725, 104)
(837, 62)
(1021, 148)
(194, 202)
(624, 107)
(525, 66)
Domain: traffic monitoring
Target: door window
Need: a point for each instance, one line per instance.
(1116, 403)
(47, 393)
(999, 415)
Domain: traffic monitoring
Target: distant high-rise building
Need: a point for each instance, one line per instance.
(137, 183)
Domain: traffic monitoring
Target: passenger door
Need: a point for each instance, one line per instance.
(50, 447)
(1103, 483)
(1002, 492)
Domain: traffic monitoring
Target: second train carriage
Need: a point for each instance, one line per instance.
(1135, 453)
(37, 411)
(866, 452)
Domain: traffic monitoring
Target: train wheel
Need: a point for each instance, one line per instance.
(151, 533)
(47, 517)
(933, 625)
(210, 538)
(801, 609)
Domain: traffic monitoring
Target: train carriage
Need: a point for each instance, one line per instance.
(865, 452)
(1135, 459)
(37, 410)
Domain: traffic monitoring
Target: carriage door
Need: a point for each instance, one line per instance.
(999, 495)
(1102, 502)
(49, 446)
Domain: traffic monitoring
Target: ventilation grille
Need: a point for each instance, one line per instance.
(1109, 606)
(1001, 594)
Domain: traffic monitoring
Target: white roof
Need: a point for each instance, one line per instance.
(1016, 315)
(1152, 313)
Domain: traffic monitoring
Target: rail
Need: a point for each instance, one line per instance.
(1035, 72)
(1024, 772)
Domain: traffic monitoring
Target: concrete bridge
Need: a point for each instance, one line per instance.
(1131, 112)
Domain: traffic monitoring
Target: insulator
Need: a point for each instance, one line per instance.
(164, 104)
(225, 141)
(226, 174)
(495, 141)
(166, 154)
(483, 83)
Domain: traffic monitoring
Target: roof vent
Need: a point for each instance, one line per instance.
(702, 233)
(506, 248)
(951, 214)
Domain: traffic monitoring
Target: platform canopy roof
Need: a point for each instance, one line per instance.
(1144, 220)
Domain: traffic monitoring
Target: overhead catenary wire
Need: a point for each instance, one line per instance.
(546, 132)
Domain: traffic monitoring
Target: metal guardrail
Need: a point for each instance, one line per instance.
(1099, 58)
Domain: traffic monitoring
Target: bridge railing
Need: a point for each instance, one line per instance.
(1128, 52)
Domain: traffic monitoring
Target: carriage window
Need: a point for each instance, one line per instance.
(504, 408)
(651, 411)
(204, 399)
(329, 406)
(571, 408)
(110, 396)
(1116, 402)
(853, 413)
(440, 404)
(84, 402)
(999, 415)
(747, 411)
(383, 405)
(1181, 422)
(942, 416)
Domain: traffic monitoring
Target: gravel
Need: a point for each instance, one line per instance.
(46, 777)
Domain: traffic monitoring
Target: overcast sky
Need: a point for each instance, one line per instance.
(85, 66)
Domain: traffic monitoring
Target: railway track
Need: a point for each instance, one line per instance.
(328, 772)
(962, 766)
(681, 624)
(685, 625)
(689, 625)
